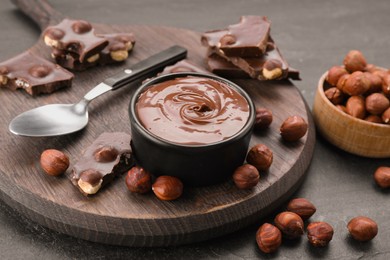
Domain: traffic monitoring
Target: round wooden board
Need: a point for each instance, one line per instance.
(114, 215)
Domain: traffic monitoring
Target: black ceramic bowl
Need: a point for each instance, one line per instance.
(195, 165)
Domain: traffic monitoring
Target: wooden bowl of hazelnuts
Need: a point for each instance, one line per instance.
(352, 107)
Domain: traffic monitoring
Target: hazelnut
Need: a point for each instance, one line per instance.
(260, 156)
(227, 39)
(354, 61)
(119, 55)
(54, 162)
(81, 27)
(268, 238)
(386, 116)
(272, 69)
(342, 80)
(362, 228)
(93, 58)
(290, 223)
(304, 208)
(377, 103)
(374, 119)
(375, 82)
(167, 188)
(105, 154)
(382, 177)
(263, 118)
(356, 84)
(52, 37)
(342, 108)
(246, 176)
(334, 95)
(386, 85)
(356, 107)
(381, 73)
(370, 68)
(334, 74)
(138, 180)
(293, 128)
(39, 71)
(319, 233)
(90, 181)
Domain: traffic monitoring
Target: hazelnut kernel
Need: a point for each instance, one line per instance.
(167, 187)
(293, 128)
(81, 27)
(268, 238)
(138, 180)
(382, 177)
(93, 58)
(263, 118)
(375, 82)
(260, 156)
(342, 80)
(374, 119)
(246, 176)
(90, 181)
(356, 84)
(377, 103)
(354, 61)
(386, 85)
(226, 40)
(319, 233)
(356, 107)
(105, 154)
(334, 95)
(362, 228)
(342, 108)
(290, 223)
(54, 162)
(119, 55)
(334, 74)
(272, 69)
(304, 208)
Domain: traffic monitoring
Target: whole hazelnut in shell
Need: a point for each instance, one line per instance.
(290, 223)
(355, 61)
(362, 228)
(260, 156)
(293, 128)
(319, 233)
(268, 238)
(54, 162)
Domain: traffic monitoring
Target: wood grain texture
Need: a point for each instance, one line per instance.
(114, 215)
(349, 133)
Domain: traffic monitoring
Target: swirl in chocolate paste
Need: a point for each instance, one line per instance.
(192, 110)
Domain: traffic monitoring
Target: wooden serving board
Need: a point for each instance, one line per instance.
(114, 215)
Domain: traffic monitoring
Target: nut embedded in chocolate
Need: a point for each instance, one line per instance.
(272, 69)
(81, 27)
(39, 71)
(227, 39)
(105, 154)
(90, 181)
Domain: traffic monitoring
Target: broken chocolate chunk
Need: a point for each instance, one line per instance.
(183, 66)
(107, 157)
(33, 74)
(75, 37)
(119, 45)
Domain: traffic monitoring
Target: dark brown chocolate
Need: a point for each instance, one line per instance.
(248, 38)
(222, 67)
(117, 50)
(107, 157)
(76, 37)
(33, 74)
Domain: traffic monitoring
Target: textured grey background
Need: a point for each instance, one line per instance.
(312, 35)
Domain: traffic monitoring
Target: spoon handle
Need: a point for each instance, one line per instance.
(146, 67)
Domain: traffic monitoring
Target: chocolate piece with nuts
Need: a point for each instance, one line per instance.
(75, 37)
(248, 38)
(33, 74)
(117, 50)
(107, 157)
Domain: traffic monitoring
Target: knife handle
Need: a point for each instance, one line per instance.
(147, 67)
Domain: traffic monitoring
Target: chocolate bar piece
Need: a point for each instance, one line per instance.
(183, 66)
(222, 67)
(33, 74)
(117, 50)
(76, 37)
(107, 157)
(246, 39)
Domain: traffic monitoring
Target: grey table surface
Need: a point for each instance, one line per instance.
(312, 35)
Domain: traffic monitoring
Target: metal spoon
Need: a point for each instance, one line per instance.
(61, 119)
